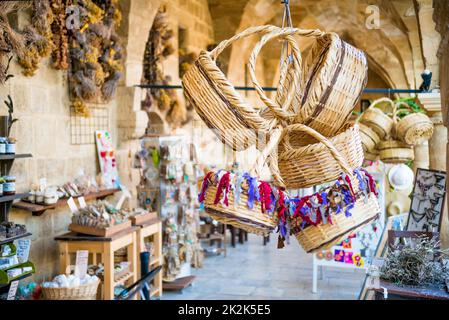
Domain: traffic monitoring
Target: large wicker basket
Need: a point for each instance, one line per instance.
(333, 78)
(220, 106)
(83, 292)
(394, 151)
(315, 164)
(253, 220)
(377, 119)
(414, 128)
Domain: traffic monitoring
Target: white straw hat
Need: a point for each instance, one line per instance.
(400, 177)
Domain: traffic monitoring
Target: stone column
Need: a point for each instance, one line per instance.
(438, 145)
(421, 156)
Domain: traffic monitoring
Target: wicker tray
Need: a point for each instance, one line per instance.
(143, 218)
(100, 232)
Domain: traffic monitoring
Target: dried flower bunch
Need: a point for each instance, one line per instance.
(11, 41)
(38, 37)
(60, 35)
(96, 54)
(158, 48)
(100, 215)
(415, 264)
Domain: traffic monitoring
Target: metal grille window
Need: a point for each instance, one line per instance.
(82, 130)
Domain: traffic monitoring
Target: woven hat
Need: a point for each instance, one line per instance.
(400, 177)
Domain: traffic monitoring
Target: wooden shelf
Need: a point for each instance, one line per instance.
(14, 156)
(155, 292)
(123, 278)
(178, 284)
(38, 209)
(13, 197)
(20, 236)
(17, 279)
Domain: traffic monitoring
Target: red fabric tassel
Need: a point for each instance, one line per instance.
(348, 180)
(204, 186)
(224, 183)
(372, 183)
(282, 207)
(265, 195)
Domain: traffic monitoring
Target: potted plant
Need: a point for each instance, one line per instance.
(11, 142)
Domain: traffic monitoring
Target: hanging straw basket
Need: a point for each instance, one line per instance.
(369, 137)
(221, 107)
(372, 155)
(82, 292)
(394, 151)
(414, 128)
(366, 208)
(376, 119)
(334, 76)
(240, 215)
(315, 164)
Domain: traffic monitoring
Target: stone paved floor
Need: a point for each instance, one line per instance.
(254, 271)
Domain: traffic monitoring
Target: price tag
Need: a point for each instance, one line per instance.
(72, 205)
(82, 202)
(12, 290)
(23, 250)
(81, 263)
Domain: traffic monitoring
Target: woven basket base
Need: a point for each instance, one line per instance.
(314, 238)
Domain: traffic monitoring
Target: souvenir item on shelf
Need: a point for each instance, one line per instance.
(314, 164)
(377, 119)
(414, 128)
(400, 177)
(106, 155)
(3, 145)
(9, 187)
(394, 151)
(99, 215)
(334, 76)
(50, 196)
(221, 107)
(11, 229)
(148, 198)
(428, 198)
(8, 262)
(325, 218)
(370, 139)
(2, 181)
(13, 272)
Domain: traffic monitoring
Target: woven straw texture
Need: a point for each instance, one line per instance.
(322, 161)
(414, 128)
(323, 236)
(221, 107)
(376, 119)
(372, 155)
(83, 292)
(369, 137)
(394, 151)
(333, 78)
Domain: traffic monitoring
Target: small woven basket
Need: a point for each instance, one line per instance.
(314, 164)
(376, 119)
(221, 107)
(369, 137)
(394, 151)
(241, 216)
(324, 236)
(372, 155)
(82, 292)
(414, 128)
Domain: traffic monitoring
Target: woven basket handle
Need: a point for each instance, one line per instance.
(285, 32)
(375, 103)
(313, 133)
(396, 110)
(296, 54)
(275, 137)
(245, 33)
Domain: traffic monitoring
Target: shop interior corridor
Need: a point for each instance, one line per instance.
(254, 271)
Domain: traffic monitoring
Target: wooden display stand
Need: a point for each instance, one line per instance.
(104, 247)
(152, 228)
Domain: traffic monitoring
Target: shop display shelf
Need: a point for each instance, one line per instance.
(23, 276)
(13, 250)
(38, 209)
(13, 197)
(122, 280)
(5, 280)
(20, 236)
(14, 156)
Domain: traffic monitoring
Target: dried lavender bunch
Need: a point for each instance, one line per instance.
(415, 264)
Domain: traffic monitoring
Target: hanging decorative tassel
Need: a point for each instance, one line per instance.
(224, 183)
(265, 196)
(204, 186)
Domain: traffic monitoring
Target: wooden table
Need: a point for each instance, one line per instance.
(104, 248)
(152, 228)
(412, 293)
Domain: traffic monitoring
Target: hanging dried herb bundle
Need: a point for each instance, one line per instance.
(158, 48)
(11, 41)
(38, 37)
(60, 35)
(96, 54)
(415, 264)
